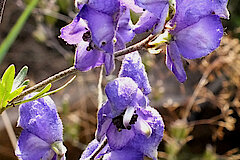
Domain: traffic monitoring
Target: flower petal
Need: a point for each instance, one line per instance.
(101, 26)
(109, 63)
(189, 12)
(40, 118)
(124, 27)
(118, 140)
(73, 32)
(220, 8)
(201, 38)
(86, 60)
(131, 4)
(174, 62)
(31, 147)
(145, 22)
(143, 127)
(154, 6)
(104, 120)
(148, 145)
(125, 153)
(133, 67)
(105, 6)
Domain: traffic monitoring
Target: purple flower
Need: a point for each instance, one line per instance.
(100, 28)
(42, 134)
(127, 120)
(197, 33)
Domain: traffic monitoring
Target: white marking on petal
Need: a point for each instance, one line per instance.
(128, 116)
(143, 126)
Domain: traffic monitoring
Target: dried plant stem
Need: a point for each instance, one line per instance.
(200, 85)
(9, 128)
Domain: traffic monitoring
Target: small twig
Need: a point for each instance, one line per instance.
(138, 46)
(9, 128)
(42, 84)
(2, 5)
(98, 150)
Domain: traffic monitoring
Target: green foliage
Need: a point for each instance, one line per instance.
(10, 87)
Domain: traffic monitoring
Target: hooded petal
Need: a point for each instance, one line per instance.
(174, 62)
(120, 93)
(86, 60)
(31, 147)
(201, 38)
(102, 27)
(40, 118)
(133, 67)
(73, 32)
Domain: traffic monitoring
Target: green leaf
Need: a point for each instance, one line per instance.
(38, 95)
(20, 78)
(24, 83)
(45, 92)
(6, 85)
(15, 93)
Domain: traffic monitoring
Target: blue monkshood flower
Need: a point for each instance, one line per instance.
(196, 32)
(154, 16)
(42, 135)
(127, 120)
(100, 28)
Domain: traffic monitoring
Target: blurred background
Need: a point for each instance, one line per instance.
(209, 99)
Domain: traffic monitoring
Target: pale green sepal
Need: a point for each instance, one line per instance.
(20, 78)
(59, 148)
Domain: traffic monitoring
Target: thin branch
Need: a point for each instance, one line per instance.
(58, 76)
(138, 46)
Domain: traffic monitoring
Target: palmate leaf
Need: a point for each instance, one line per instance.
(10, 87)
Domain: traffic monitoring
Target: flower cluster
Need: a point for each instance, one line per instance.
(133, 129)
(192, 29)
(42, 135)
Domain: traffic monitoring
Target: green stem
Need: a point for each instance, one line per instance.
(8, 41)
